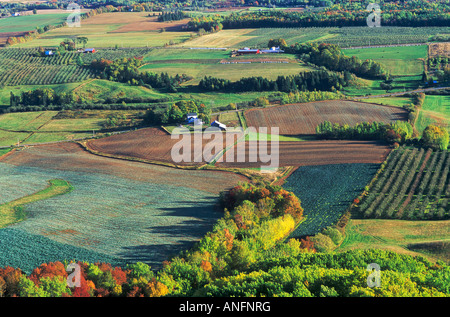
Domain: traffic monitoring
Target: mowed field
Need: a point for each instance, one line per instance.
(16, 26)
(435, 110)
(236, 38)
(117, 209)
(124, 29)
(400, 61)
(52, 126)
(217, 63)
(297, 119)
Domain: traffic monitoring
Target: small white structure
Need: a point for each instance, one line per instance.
(219, 125)
(198, 122)
(273, 50)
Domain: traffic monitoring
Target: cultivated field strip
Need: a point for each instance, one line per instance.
(117, 209)
(152, 144)
(304, 118)
(23, 67)
(326, 191)
(305, 153)
(414, 185)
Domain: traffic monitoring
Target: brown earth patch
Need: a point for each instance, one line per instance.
(306, 153)
(303, 118)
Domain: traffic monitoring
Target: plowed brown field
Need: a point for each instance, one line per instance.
(153, 144)
(311, 153)
(303, 118)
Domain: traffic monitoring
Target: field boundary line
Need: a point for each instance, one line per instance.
(83, 84)
(165, 164)
(16, 206)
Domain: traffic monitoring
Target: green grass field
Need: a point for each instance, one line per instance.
(122, 29)
(372, 87)
(25, 121)
(435, 110)
(400, 61)
(391, 101)
(43, 126)
(98, 89)
(30, 22)
(183, 54)
(395, 235)
(396, 52)
(145, 220)
(233, 72)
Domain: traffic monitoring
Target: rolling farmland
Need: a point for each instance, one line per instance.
(124, 29)
(117, 209)
(304, 118)
(90, 165)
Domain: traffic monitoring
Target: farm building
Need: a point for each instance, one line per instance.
(191, 117)
(48, 53)
(247, 50)
(272, 50)
(89, 50)
(219, 125)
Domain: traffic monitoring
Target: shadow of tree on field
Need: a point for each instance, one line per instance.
(179, 236)
(154, 254)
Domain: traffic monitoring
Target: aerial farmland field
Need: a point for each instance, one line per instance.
(401, 61)
(125, 196)
(123, 29)
(329, 161)
(303, 118)
(306, 153)
(323, 203)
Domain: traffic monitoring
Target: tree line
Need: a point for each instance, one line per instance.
(126, 70)
(176, 113)
(331, 57)
(322, 80)
(399, 132)
(172, 16)
(411, 13)
(48, 99)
